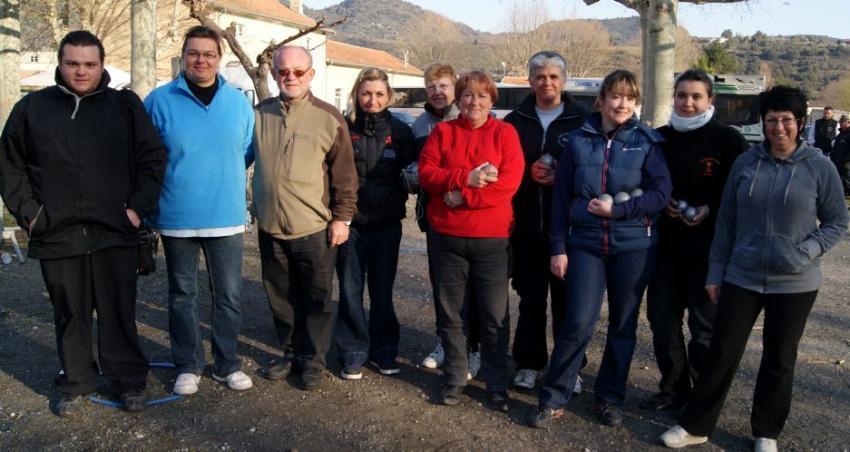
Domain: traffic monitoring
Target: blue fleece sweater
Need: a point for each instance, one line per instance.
(208, 150)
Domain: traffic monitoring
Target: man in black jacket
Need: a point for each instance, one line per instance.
(543, 122)
(80, 164)
(825, 130)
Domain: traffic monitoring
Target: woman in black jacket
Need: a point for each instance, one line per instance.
(382, 147)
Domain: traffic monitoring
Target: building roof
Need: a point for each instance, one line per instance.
(350, 55)
(268, 9)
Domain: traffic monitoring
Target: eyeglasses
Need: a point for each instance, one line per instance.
(298, 73)
(786, 122)
(194, 54)
(440, 87)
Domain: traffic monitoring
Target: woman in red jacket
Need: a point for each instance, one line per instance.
(474, 164)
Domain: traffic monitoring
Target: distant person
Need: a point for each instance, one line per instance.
(699, 152)
(305, 196)
(441, 106)
(543, 122)
(825, 130)
(208, 127)
(80, 165)
(603, 243)
(841, 152)
(382, 147)
(782, 209)
(472, 167)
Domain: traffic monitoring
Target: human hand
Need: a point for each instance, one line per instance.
(671, 209)
(134, 218)
(600, 208)
(453, 199)
(543, 174)
(558, 265)
(702, 214)
(482, 175)
(337, 233)
(713, 292)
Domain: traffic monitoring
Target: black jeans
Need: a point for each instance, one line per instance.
(472, 324)
(103, 281)
(533, 282)
(370, 254)
(784, 321)
(458, 263)
(298, 278)
(674, 287)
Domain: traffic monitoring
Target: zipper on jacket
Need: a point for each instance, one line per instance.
(604, 188)
(777, 167)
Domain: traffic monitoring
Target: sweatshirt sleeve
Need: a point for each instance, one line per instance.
(657, 187)
(559, 221)
(248, 135)
(342, 175)
(433, 178)
(14, 180)
(724, 229)
(511, 170)
(150, 157)
(832, 214)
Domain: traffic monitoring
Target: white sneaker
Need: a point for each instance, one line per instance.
(677, 437)
(765, 445)
(186, 384)
(578, 387)
(237, 381)
(526, 379)
(473, 364)
(435, 358)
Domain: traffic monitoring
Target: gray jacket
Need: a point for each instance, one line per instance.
(776, 218)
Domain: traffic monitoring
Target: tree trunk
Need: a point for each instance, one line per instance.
(143, 55)
(661, 50)
(10, 56)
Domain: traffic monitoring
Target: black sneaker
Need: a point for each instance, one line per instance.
(387, 368)
(610, 414)
(276, 371)
(544, 416)
(499, 400)
(133, 400)
(661, 401)
(311, 378)
(451, 395)
(68, 405)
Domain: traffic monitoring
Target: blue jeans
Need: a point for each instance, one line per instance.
(223, 257)
(370, 255)
(625, 275)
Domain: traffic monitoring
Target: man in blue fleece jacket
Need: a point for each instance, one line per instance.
(208, 128)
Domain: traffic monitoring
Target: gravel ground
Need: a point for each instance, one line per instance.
(392, 413)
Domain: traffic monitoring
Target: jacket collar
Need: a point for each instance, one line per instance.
(183, 86)
(571, 109)
(594, 125)
(452, 112)
(60, 82)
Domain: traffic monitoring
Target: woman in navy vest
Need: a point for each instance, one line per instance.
(610, 185)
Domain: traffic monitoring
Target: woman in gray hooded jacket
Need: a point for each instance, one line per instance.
(782, 209)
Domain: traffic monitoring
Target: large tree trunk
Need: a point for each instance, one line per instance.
(660, 51)
(143, 55)
(10, 56)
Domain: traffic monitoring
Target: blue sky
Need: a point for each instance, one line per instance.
(774, 17)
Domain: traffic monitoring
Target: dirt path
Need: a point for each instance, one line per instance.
(391, 413)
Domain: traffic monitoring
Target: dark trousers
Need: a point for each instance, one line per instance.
(784, 321)
(471, 322)
(298, 278)
(533, 282)
(625, 275)
(370, 255)
(102, 281)
(674, 287)
(223, 257)
(483, 263)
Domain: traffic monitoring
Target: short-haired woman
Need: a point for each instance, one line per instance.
(782, 209)
(382, 147)
(471, 167)
(610, 185)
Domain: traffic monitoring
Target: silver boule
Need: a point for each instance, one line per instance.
(621, 197)
(606, 198)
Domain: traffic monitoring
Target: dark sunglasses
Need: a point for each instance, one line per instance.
(283, 73)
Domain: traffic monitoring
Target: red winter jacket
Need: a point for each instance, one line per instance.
(454, 149)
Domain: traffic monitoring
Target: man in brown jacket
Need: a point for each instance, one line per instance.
(305, 194)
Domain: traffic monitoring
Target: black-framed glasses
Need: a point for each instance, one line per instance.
(194, 54)
(786, 122)
(298, 73)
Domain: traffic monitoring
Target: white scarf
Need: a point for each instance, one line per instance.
(683, 124)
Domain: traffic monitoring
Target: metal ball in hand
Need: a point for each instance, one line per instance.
(690, 213)
(621, 197)
(606, 198)
(682, 204)
(636, 192)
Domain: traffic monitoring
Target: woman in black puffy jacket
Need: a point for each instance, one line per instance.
(382, 148)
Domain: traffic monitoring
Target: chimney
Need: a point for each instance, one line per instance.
(405, 58)
(296, 6)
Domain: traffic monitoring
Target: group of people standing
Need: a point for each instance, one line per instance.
(563, 203)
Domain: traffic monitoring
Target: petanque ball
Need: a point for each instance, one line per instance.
(606, 198)
(621, 197)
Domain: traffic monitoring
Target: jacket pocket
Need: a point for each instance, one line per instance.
(748, 251)
(41, 224)
(785, 257)
(302, 161)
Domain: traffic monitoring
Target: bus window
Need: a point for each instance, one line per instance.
(736, 110)
(409, 97)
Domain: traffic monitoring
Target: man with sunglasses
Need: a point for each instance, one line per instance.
(207, 127)
(305, 195)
